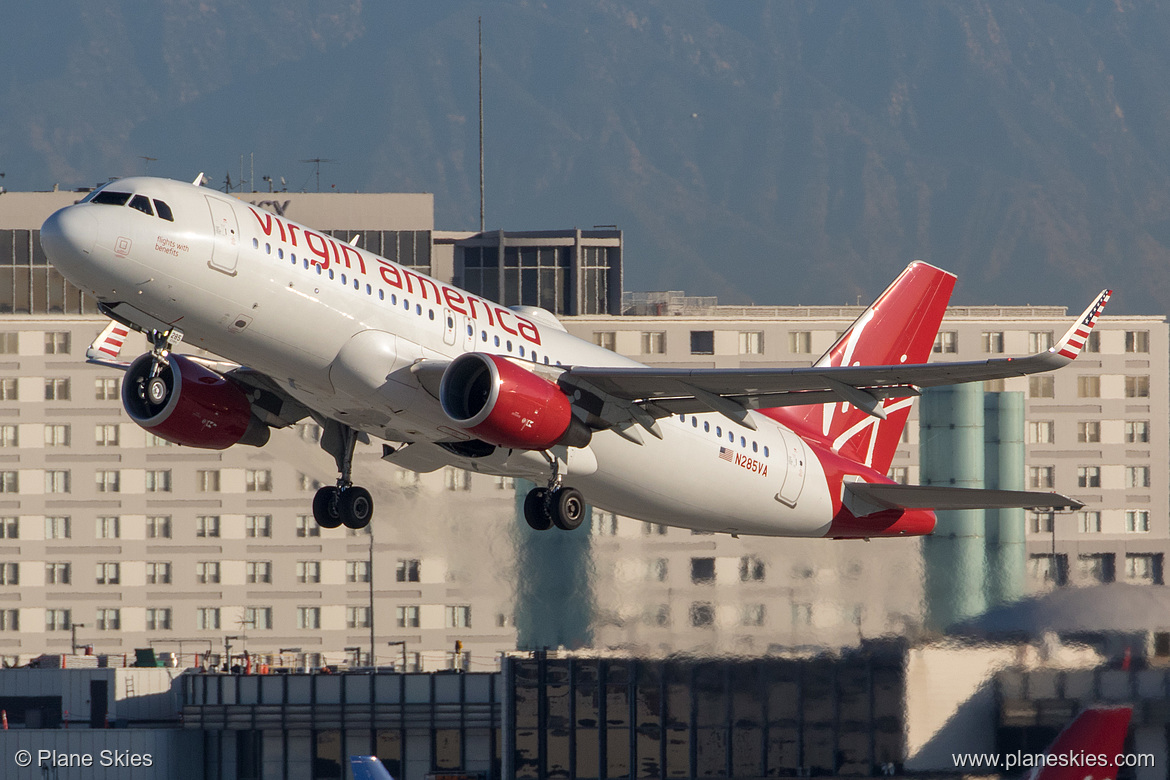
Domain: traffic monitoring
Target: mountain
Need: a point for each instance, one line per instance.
(766, 152)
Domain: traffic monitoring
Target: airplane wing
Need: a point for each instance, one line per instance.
(660, 392)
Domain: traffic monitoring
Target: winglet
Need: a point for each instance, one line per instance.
(106, 347)
(368, 768)
(1073, 341)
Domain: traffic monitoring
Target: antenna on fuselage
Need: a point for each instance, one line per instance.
(198, 180)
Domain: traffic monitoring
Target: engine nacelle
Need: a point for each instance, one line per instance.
(509, 406)
(190, 404)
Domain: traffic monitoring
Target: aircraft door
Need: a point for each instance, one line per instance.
(449, 335)
(225, 249)
(795, 458)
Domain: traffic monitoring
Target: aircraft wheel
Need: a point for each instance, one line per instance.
(327, 507)
(156, 391)
(355, 507)
(536, 509)
(568, 508)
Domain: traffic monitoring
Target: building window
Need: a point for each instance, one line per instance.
(751, 342)
(751, 569)
(900, 474)
(107, 481)
(158, 618)
(158, 527)
(158, 481)
(753, 615)
(207, 572)
(603, 523)
(1041, 522)
(1041, 387)
(946, 341)
(1089, 522)
(993, 342)
(407, 617)
(1088, 386)
(9, 342)
(1093, 343)
(458, 616)
(1144, 567)
(456, 479)
(9, 574)
(653, 529)
(258, 526)
(357, 571)
(1041, 476)
(257, 481)
(259, 618)
(307, 527)
(207, 481)
(702, 614)
(800, 342)
(9, 619)
(157, 441)
(1137, 521)
(1137, 341)
(308, 571)
(57, 436)
(308, 618)
(158, 573)
(1137, 476)
(207, 618)
(57, 573)
(1096, 567)
(9, 436)
(106, 435)
(1040, 431)
(306, 482)
(57, 528)
(108, 574)
(1089, 476)
(57, 342)
(207, 526)
(8, 389)
(1040, 341)
(258, 572)
(9, 528)
(653, 343)
(105, 389)
(1137, 387)
(1088, 432)
(702, 571)
(606, 339)
(659, 570)
(702, 342)
(57, 620)
(1049, 569)
(357, 617)
(57, 389)
(1137, 432)
(57, 481)
(407, 570)
(108, 528)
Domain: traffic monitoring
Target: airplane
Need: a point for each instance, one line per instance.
(1096, 735)
(309, 326)
(368, 768)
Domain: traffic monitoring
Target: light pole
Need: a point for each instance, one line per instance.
(73, 635)
(403, 644)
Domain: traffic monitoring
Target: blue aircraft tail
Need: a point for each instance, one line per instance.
(368, 768)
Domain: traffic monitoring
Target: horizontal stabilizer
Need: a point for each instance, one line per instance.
(887, 496)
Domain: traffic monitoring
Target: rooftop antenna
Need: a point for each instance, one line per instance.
(481, 223)
(317, 161)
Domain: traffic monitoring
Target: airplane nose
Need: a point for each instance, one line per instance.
(68, 233)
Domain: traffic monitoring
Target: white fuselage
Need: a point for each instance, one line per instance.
(339, 328)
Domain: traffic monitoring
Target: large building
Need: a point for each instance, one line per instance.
(115, 539)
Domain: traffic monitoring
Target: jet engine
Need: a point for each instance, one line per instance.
(509, 406)
(190, 404)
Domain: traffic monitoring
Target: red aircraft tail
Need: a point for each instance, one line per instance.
(899, 327)
(1096, 734)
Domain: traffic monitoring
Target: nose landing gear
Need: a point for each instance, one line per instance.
(346, 503)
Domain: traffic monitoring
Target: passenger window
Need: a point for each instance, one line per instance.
(255, 243)
(742, 441)
(521, 351)
(731, 436)
(356, 284)
(755, 447)
(142, 203)
(483, 336)
(393, 299)
(694, 421)
(418, 309)
(267, 248)
(342, 277)
(111, 198)
(381, 295)
(546, 360)
(280, 253)
(706, 427)
(719, 431)
(430, 314)
(765, 450)
(509, 345)
(369, 290)
(164, 211)
(497, 341)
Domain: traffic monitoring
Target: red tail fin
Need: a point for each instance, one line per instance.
(1097, 732)
(899, 327)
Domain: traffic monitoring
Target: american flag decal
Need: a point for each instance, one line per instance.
(114, 341)
(726, 454)
(1076, 340)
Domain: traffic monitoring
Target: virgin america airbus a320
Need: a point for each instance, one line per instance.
(311, 327)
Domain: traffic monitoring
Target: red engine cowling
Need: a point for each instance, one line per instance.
(190, 405)
(506, 405)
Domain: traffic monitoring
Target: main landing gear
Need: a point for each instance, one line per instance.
(346, 503)
(556, 505)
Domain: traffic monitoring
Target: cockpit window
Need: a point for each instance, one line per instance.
(164, 211)
(111, 198)
(142, 203)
